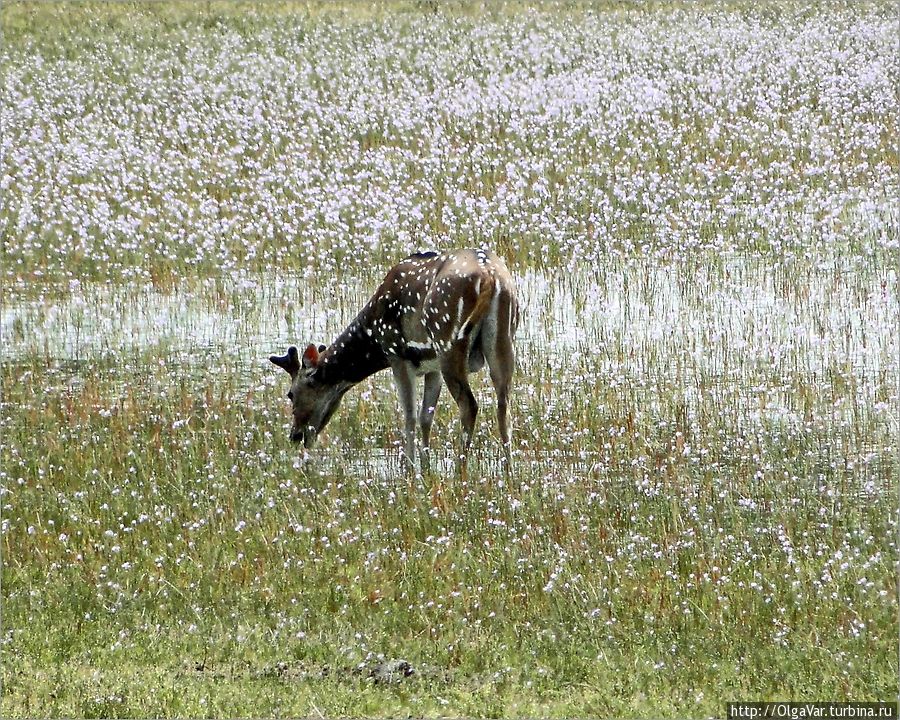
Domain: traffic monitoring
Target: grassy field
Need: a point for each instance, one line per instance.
(699, 205)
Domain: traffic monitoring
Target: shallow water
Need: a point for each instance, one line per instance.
(755, 345)
(739, 319)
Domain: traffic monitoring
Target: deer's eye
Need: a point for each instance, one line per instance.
(290, 394)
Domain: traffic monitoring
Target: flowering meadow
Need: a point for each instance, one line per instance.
(698, 202)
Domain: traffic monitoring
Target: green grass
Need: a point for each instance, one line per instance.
(279, 620)
(703, 505)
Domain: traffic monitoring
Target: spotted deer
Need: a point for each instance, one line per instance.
(437, 316)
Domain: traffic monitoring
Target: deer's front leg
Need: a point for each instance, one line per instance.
(404, 378)
(426, 416)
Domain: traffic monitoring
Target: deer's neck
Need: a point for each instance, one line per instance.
(354, 355)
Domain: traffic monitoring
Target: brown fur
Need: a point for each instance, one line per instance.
(433, 315)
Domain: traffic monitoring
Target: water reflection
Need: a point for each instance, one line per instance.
(737, 319)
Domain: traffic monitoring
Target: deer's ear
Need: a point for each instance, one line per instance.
(310, 356)
(289, 362)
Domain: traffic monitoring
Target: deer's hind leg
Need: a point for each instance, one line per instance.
(497, 345)
(454, 369)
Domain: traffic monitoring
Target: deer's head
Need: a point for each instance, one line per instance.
(314, 400)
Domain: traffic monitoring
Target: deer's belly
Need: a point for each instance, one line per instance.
(428, 366)
(424, 359)
(421, 356)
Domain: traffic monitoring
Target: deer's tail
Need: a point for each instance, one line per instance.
(480, 308)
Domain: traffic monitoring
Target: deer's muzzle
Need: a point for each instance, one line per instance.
(307, 436)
